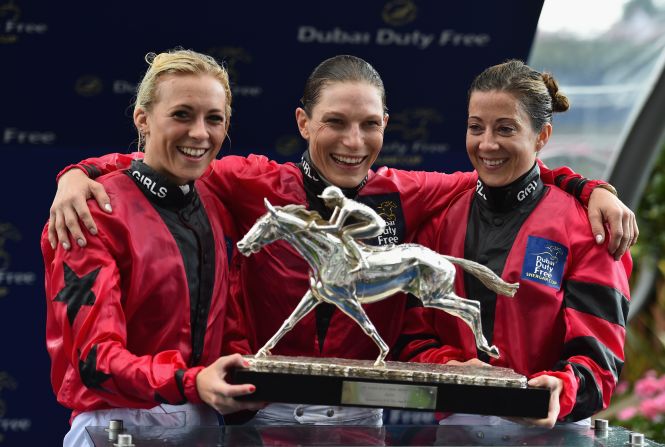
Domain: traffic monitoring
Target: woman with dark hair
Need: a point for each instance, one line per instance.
(565, 327)
(343, 118)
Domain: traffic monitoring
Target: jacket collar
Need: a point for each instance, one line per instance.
(159, 189)
(316, 182)
(505, 198)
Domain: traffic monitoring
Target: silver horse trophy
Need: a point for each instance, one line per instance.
(335, 279)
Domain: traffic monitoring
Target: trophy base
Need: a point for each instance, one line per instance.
(413, 386)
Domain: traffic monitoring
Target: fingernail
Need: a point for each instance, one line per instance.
(252, 388)
(599, 238)
(52, 245)
(245, 363)
(65, 245)
(80, 242)
(93, 231)
(108, 208)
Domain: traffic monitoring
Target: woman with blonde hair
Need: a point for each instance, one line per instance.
(135, 320)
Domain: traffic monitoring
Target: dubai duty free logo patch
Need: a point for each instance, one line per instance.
(544, 261)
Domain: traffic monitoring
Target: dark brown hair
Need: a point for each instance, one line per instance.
(341, 68)
(537, 92)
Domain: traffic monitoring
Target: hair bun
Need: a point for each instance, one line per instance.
(560, 101)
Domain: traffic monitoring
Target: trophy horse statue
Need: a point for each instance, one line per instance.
(347, 273)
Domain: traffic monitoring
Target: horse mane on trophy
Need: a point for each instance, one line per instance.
(339, 279)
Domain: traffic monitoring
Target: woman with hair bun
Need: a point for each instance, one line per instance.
(565, 327)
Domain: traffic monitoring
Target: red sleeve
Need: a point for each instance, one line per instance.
(566, 179)
(98, 166)
(424, 195)
(596, 300)
(221, 174)
(241, 183)
(438, 190)
(86, 331)
(222, 178)
(571, 386)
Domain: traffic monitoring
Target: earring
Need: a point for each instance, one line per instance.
(141, 142)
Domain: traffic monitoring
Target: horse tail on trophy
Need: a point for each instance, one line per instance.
(486, 276)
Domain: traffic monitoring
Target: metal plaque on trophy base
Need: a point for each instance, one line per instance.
(413, 386)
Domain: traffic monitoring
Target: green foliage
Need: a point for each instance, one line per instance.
(654, 431)
(651, 214)
(645, 335)
(645, 339)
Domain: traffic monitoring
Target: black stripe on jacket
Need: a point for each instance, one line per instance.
(597, 300)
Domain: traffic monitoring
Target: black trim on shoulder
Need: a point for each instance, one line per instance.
(592, 348)
(571, 186)
(558, 180)
(598, 300)
(580, 187)
(589, 399)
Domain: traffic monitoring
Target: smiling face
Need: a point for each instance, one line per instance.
(185, 126)
(500, 140)
(344, 131)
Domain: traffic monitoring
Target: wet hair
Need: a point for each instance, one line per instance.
(538, 93)
(341, 68)
(179, 62)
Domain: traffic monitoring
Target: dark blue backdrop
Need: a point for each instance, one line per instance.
(68, 73)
